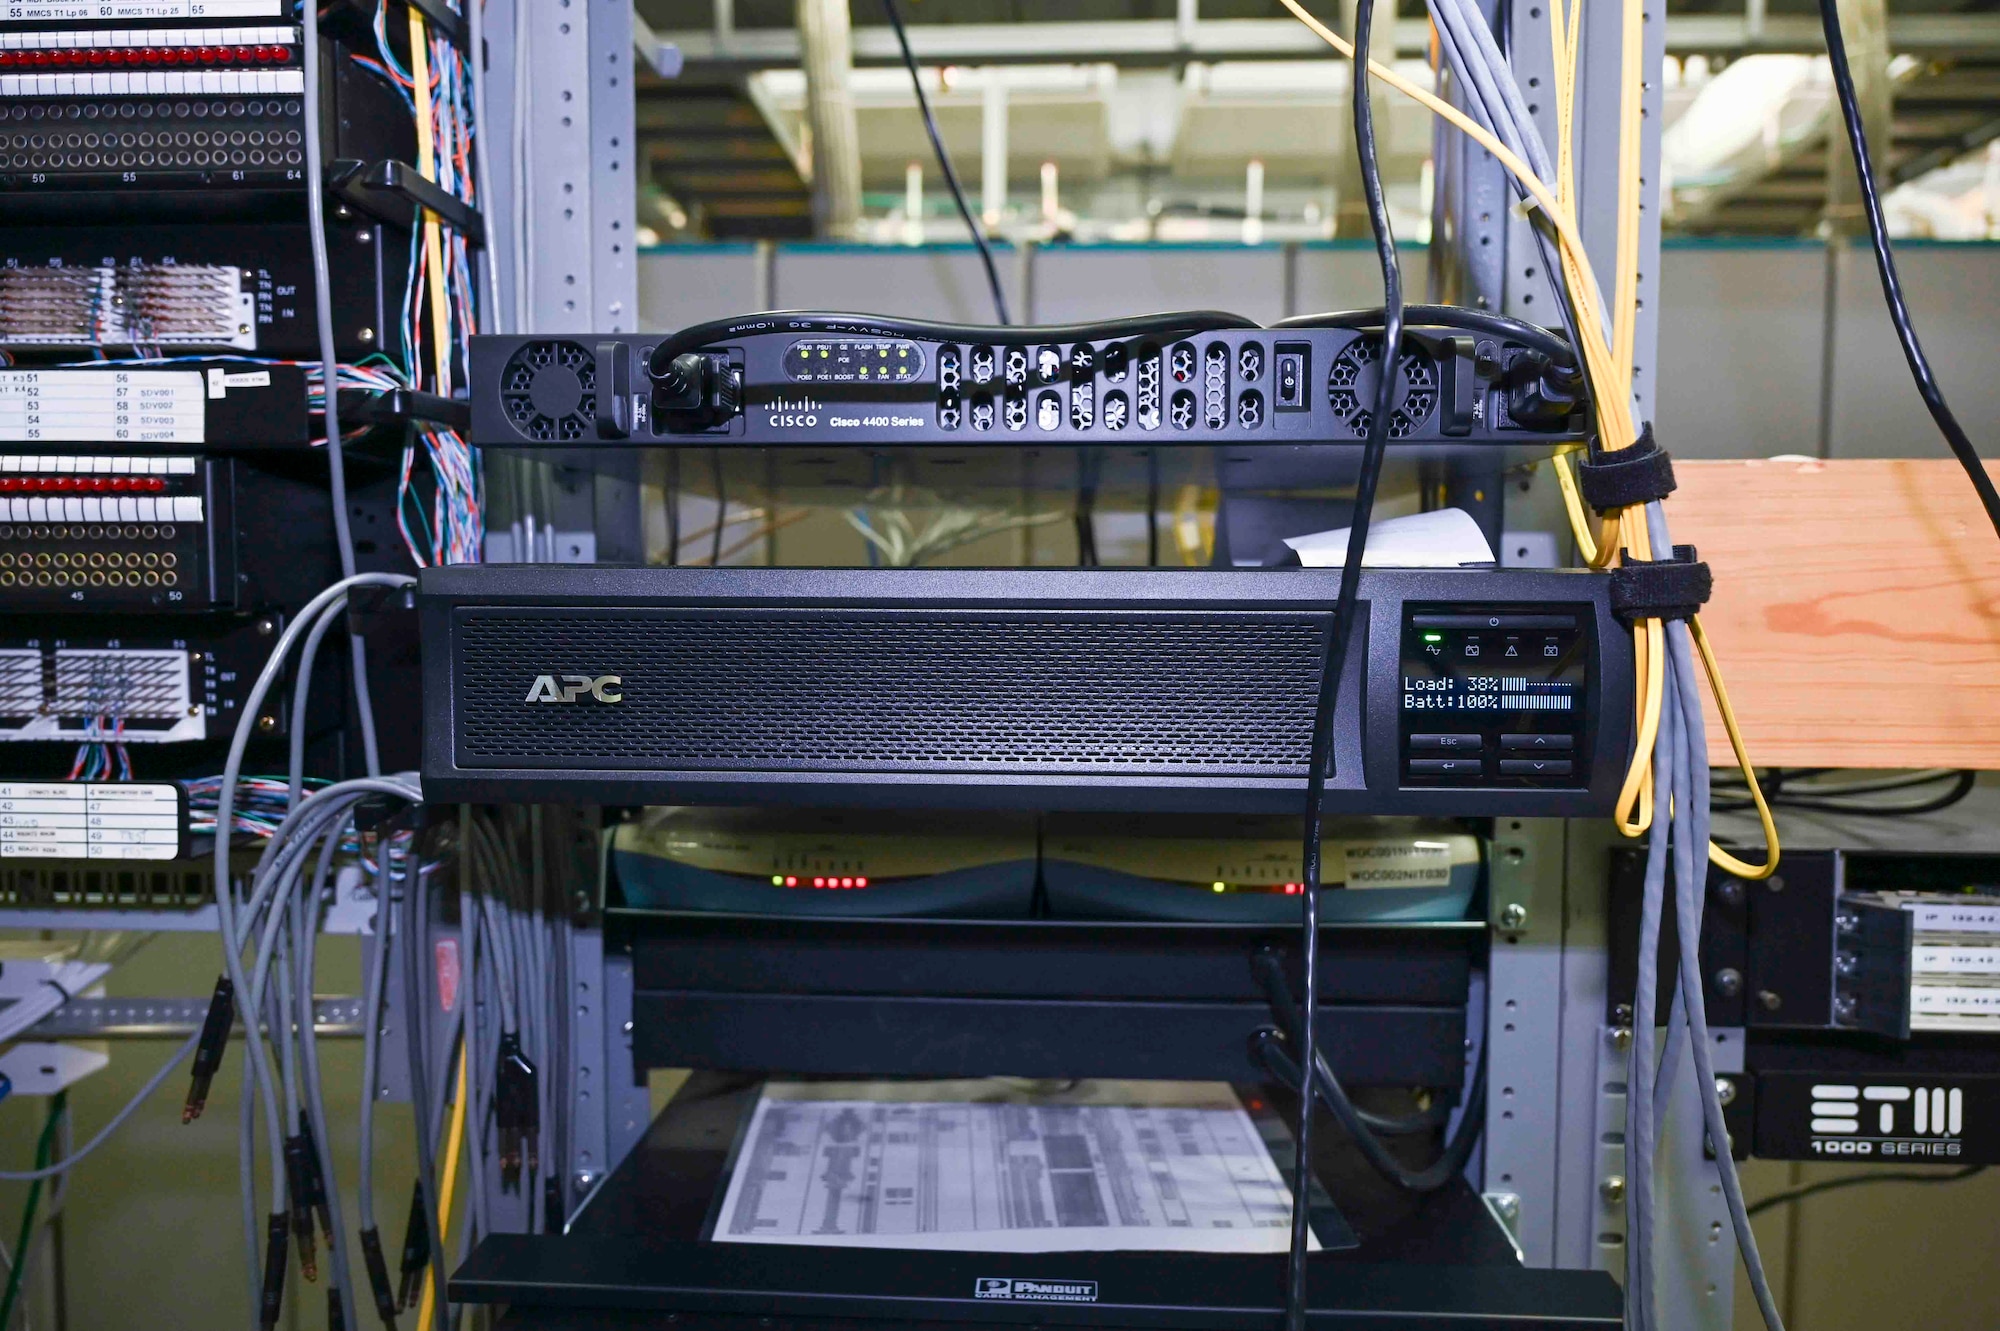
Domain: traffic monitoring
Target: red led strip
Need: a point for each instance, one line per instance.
(139, 57)
(82, 485)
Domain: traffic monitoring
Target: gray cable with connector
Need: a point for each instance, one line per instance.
(343, 1273)
(118, 1121)
(329, 356)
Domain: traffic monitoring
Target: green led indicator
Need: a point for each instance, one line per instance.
(1434, 637)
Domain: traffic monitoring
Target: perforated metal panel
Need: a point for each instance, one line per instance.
(1213, 693)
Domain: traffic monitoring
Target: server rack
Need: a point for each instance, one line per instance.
(1545, 1164)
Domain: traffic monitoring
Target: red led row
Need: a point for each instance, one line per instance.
(82, 485)
(792, 881)
(135, 57)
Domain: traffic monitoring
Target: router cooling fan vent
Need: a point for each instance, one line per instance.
(546, 387)
(1351, 384)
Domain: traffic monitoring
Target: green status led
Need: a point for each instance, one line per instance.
(1434, 637)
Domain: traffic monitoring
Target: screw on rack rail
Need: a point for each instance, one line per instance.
(301, 1212)
(516, 1109)
(208, 1050)
(378, 1277)
(416, 1249)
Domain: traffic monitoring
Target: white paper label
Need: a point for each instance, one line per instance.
(1954, 917)
(102, 406)
(1005, 1177)
(91, 11)
(89, 821)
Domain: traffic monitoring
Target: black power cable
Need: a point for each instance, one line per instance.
(696, 336)
(1340, 635)
(1271, 1047)
(1777, 1199)
(721, 508)
(1885, 265)
(944, 164)
(1848, 800)
(673, 506)
(1549, 343)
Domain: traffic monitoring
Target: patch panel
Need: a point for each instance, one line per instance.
(96, 533)
(206, 305)
(132, 696)
(130, 680)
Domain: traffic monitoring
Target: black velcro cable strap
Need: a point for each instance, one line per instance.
(1630, 476)
(1660, 588)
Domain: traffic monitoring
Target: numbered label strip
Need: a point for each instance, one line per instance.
(90, 821)
(102, 406)
(99, 11)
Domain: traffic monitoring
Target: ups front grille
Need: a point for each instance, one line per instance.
(1200, 693)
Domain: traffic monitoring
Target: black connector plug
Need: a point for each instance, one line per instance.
(416, 1249)
(552, 1205)
(301, 1213)
(516, 1109)
(378, 1277)
(209, 1049)
(696, 391)
(336, 1312)
(314, 1191)
(1541, 394)
(274, 1272)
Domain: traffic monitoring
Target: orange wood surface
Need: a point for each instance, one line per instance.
(1856, 610)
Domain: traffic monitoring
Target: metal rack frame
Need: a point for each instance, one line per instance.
(1553, 1159)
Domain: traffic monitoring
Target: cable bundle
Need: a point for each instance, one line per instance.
(102, 756)
(438, 90)
(1671, 749)
(517, 941)
(260, 806)
(279, 916)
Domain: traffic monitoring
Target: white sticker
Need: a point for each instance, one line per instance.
(62, 11)
(108, 406)
(87, 820)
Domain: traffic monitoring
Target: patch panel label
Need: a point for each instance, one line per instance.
(96, 11)
(102, 406)
(88, 820)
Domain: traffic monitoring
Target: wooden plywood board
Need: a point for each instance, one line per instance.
(1856, 610)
